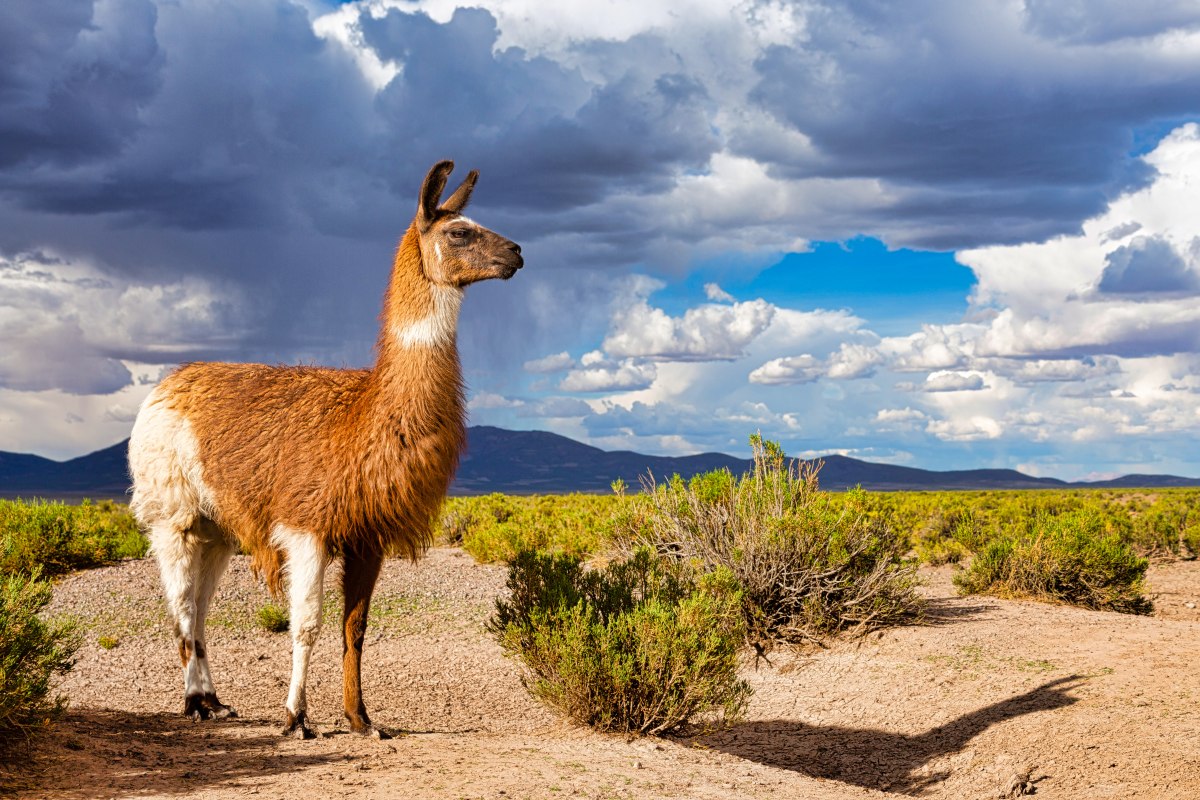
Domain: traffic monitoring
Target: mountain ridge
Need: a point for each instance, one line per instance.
(540, 462)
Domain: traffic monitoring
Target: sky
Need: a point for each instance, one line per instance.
(945, 233)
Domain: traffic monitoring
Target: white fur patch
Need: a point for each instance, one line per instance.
(306, 564)
(169, 491)
(436, 327)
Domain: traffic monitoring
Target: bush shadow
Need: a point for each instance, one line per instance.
(127, 754)
(949, 610)
(876, 759)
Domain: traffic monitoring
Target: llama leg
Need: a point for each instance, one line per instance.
(179, 553)
(358, 582)
(215, 559)
(306, 563)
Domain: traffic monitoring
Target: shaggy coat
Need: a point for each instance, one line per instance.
(362, 456)
(301, 465)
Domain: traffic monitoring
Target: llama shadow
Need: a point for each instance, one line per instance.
(876, 759)
(95, 751)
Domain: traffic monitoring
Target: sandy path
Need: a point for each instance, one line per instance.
(1093, 705)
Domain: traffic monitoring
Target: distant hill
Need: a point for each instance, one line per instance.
(100, 474)
(538, 462)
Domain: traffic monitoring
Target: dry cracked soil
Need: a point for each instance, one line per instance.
(988, 698)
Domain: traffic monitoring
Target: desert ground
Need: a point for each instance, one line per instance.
(987, 698)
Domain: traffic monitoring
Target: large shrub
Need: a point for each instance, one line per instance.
(32, 652)
(1070, 558)
(810, 563)
(57, 538)
(632, 648)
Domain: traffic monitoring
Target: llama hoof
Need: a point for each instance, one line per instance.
(224, 712)
(359, 724)
(206, 706)
(297, 727)
(371, 732)
(301, 732)
(219, 710)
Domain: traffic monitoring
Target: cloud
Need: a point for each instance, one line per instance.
(490, 400)
(556, 362)
(972, 429)
(718, 295)
(609, 377)
(1148, 265)
(76, 76)
(1055, 370)
(556, 408)
(1143, 304)
(1101, 21)
(229, 180)
(788, 370)
(853, 360)
(934, 347)
(965, 141)
(706, 333)
(898, 419)
(68, 326)
(947, 381)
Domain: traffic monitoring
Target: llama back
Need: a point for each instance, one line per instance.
(238, 444)
(254, 447)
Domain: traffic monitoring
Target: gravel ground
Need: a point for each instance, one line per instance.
(989, 697)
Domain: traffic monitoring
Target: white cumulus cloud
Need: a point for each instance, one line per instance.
(605, 377)
(948, 381)
(789, 370)
(555, 362)
(705, 333)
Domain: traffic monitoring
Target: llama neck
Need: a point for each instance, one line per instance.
(418, 316)
(418, 376)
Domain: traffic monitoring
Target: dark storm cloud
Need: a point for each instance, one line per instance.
(232, 115)
(1097, 21)
(1147, 265)
(553, 140)
(226, 141)
(196, 116)
(70, 90)
(970, 107)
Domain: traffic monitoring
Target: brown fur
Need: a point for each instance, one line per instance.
(360, 457)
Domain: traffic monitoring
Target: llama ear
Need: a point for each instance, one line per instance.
(462, 195)
(431, 193)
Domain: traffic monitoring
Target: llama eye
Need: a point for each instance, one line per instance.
(458, 234)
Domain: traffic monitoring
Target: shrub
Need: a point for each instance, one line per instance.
(632, 648)
(58, 538)
(32, 652)
(1069, 558)
(1160, 531)
(495, 527)
(809, 563)
(273, 618)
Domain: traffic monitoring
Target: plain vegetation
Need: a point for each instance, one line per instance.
(649, 643)
(38, 540)
(635, 647)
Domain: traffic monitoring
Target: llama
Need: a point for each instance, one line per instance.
(302, 465)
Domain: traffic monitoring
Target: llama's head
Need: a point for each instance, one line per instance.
(455, 250)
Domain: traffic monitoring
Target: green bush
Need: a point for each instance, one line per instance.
(58, 538)
(810, 563)
(32, 652)
(273, 618)
(632, 648)
(1071, 558)
(495, 527)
